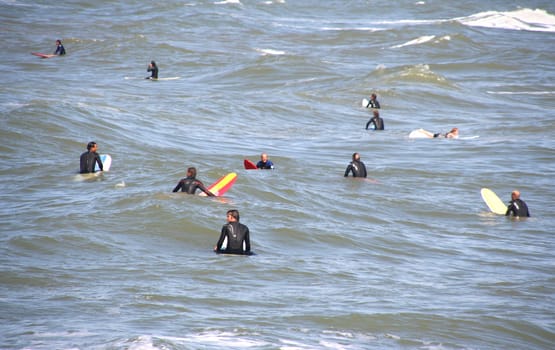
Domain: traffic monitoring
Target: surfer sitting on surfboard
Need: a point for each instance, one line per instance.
(517, 206)
(264, 162)
(190, 184)
(356, 166)
(152, 67)
(90, 158)
(234, 237)
(60, 50)
(376, 120)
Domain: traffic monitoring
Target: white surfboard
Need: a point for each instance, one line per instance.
(420, 134)
(365, 102)
(106, 162)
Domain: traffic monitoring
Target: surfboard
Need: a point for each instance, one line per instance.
(421, 134)
(365, 102)
(494, 203)
(42, 55)
(249, 165)
(222, 185)
(106, 162)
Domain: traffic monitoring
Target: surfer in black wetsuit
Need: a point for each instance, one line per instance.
(153, 68)
(373, 102)
(517, 206)
(60, 50)
(234, 237)
(190, 184)
(376, 120)
(356, 166)
(90, 158)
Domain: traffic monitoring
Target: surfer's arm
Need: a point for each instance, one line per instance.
(205, 190)
(178, 187)
(99, 162)
(348, 170)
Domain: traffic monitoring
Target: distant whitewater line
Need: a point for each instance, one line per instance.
(537, 20)
(521, 92)
(524, 19)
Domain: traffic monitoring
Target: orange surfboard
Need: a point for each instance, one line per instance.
(42, 55)
(221, 186)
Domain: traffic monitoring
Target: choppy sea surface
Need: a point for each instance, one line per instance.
(409, 259)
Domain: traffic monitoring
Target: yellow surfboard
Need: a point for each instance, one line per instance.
(493, 202)
(221, 186)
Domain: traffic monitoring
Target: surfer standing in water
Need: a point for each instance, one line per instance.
(90, 158)
(153, 68)
(517, 206)
(234, 237)
(356, 166)
(190, 184)
(60, 50)
(376, 120)
(373, 102)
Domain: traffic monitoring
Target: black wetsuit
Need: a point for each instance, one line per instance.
(357, 167)
(518, 208)
(236, 236)
(60, 50)
(88, 160)
(373, 104)
(154, 74)
(190, 185)
(378, 123)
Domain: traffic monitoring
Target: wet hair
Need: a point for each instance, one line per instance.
(59, 41)
(192, 171)
(374, 96)
(90, 145)
(153, 63)
(234, 213)
(355, 155)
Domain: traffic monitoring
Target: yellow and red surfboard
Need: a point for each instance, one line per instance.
(221, 186)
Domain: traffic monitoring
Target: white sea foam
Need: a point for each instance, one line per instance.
(417, 41)
(523, 19)
(271, 52)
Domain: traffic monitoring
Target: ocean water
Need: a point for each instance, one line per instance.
(409, 259)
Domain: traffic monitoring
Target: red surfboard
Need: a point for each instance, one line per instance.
(249, 165)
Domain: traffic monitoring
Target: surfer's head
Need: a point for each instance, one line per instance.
(153, 63)
(515, 195)
(356, 156)
(91, 145)
(233, 213)
(192, 172)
